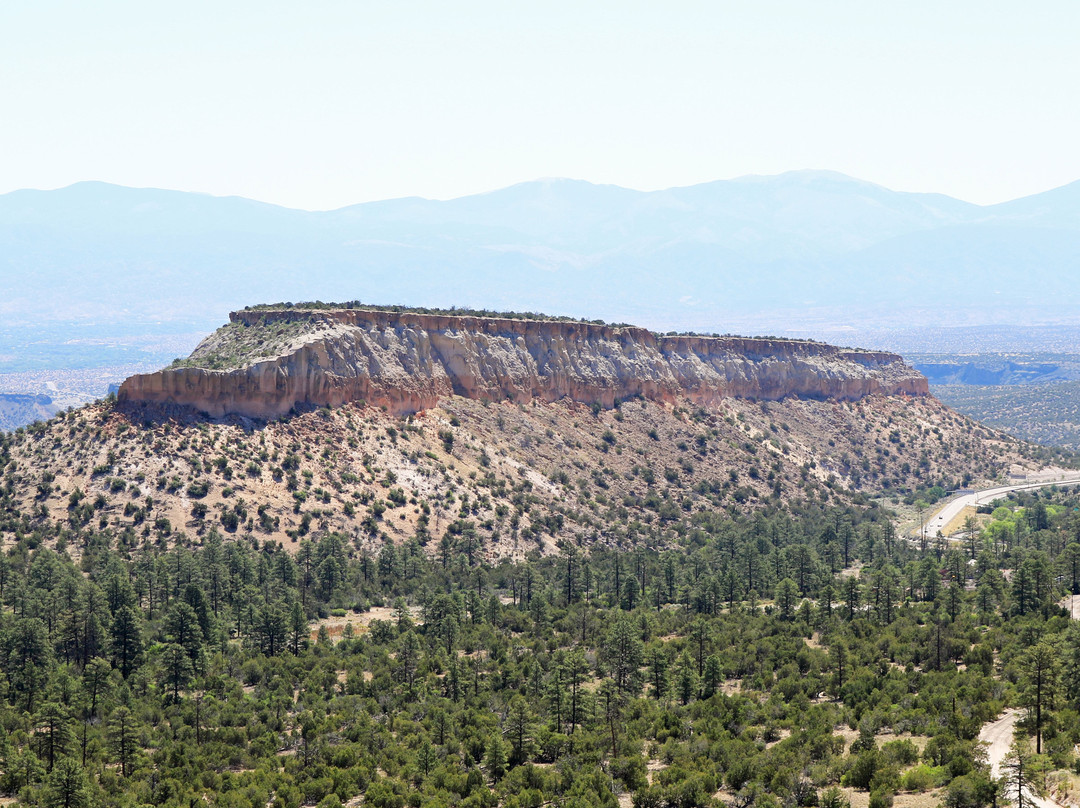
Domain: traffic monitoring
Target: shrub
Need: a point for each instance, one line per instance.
(862, 770)
(881, 798)
(920, 778)
(198, 489)
(833, 797)
(631, 771)
(901, 752)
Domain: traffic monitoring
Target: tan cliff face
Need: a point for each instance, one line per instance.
(407, 361)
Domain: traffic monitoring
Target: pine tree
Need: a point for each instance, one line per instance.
(839, 655)
(714, 676)
(96, 682)
(29, 658)
(1040, 666)
(408, 658)
(825, 599)
(182, 628)
(126, 643)
(176, 669)
(123, 739)
(556, 697)
(687, 680)
(495, 757)
(852, 596)
(658, 673)
(611, 699)
(1018, 773)
(630, 594)
(1023, 589)
(575, 668)
(53, 732)
(699, 638)
(66, 786)
(453, 679)
(519, 729)
(623, 654)
(271, 629)
(786, 595)
(298, 626)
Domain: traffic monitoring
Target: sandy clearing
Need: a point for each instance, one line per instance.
(925, 799)
(335, 626)
(1072, 605)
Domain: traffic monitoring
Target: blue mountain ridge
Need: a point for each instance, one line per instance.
(697, 257)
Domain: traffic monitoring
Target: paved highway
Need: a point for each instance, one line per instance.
(954, 506)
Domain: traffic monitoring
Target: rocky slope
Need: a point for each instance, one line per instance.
(266, 363)
(498, 479)
(483, 434)
(509, 477)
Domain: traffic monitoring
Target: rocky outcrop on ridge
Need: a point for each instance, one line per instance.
(267, 362)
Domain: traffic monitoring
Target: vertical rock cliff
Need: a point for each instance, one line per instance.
(265, 363)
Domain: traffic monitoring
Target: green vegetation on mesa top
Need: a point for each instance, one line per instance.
(455, 311)
(780, 659)
(236, 345)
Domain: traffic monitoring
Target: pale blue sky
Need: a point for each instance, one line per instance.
(322, 104)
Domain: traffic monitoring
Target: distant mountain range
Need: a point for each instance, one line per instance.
(783, 252)
(19, 409)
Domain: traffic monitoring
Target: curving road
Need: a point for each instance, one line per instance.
(953, 507)
(998, 737)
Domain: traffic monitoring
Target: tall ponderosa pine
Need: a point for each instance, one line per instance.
(67, 786)
(519, 728)
(52, 732)
(1019, 775)
(1040, 667)
(574, 669)
(126, 646)
(623, 653)
(176, 669)
(123, 739)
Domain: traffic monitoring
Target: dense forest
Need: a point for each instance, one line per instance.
(785, 657)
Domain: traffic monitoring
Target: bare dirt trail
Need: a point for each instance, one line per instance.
(998, 734)
(1072, 605)
(998, 737)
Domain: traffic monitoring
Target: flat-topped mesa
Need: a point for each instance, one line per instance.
(266, 362)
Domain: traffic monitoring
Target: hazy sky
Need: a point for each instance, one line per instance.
(321, 104)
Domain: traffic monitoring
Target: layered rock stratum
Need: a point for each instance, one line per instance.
(266, 363)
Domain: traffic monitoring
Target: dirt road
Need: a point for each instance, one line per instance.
(998, 737)
(1071, 604)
